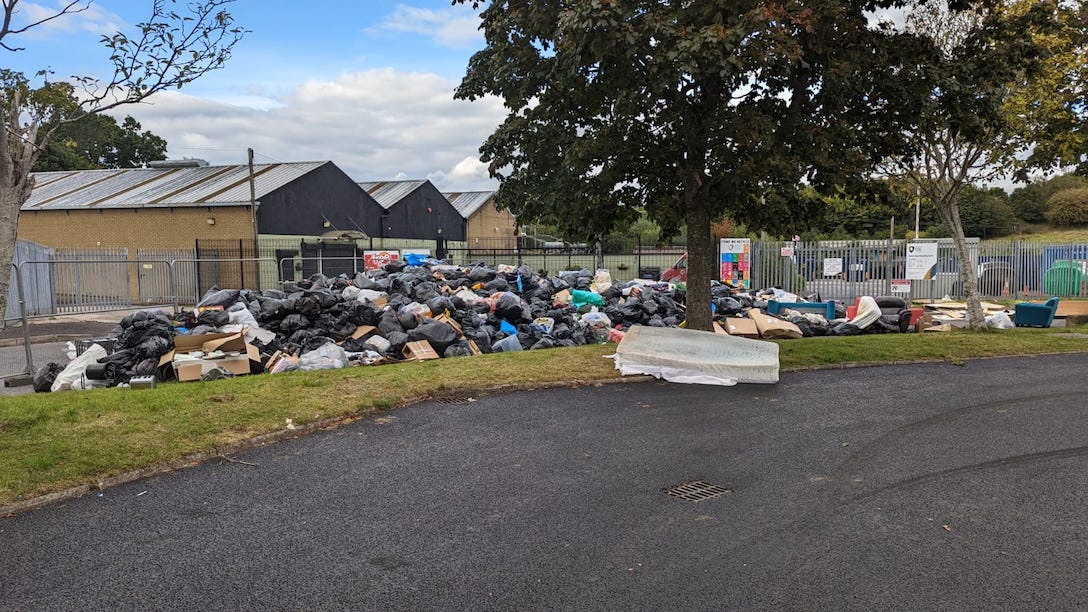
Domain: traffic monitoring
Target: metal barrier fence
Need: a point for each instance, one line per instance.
(845, 270)
(841, 270)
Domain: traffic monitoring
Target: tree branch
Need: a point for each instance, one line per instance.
(9, 11)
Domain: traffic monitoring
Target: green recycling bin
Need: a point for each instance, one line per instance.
(1063, 278)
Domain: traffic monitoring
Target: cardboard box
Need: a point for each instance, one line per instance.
(189, 369)
(452, 323)
(420, 350)
(745, 328)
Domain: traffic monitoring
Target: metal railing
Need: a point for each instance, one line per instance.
(840, 270)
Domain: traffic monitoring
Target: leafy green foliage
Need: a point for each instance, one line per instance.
(983, 214)
(99, 142)
(690, 111)
(1030, 201)
(1068, 208)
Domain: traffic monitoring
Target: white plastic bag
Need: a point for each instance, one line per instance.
(369, 295)
(240, 315)
(602, 280)
(999, 320)
(327, 357)
(71, 377)
(351, 292)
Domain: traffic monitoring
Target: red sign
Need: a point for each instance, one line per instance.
(373, 260)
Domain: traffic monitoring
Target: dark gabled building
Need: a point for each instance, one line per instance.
(415, 210)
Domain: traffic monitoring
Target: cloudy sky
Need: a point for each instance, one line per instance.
(367, 84)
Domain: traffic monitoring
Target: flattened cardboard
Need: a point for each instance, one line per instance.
(718, 329)
(362, 331)
(772, 327)
(419, 350)
(745, 328)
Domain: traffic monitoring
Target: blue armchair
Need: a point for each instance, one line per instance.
(1035, 315)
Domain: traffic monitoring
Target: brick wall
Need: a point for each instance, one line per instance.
(480, 231)
(148, 228)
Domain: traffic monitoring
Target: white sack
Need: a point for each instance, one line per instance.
(868, 312)
(999, 320)
(71, 377)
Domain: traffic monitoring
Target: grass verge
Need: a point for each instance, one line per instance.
(51, 442)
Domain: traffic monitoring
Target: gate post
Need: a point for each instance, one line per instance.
(26, 323)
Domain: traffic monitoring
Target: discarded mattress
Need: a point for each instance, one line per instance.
(696, 357)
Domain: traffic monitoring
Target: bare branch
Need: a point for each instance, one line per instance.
(75, 6)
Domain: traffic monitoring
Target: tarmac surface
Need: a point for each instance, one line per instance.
(908, 487)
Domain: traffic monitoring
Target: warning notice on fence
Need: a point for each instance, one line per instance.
(921, 260)
(832, 266)
(900, 286)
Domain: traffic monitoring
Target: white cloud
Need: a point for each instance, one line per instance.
(93, 19)
(449, 28)
(470, 174)
(375, 125)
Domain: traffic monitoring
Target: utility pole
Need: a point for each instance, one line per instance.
(917, 210)
(253, 203)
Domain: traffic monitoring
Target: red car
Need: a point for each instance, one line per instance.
(678, 273)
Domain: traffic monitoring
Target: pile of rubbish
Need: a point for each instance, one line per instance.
(412, 312)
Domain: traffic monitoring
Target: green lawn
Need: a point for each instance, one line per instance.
(54, 441)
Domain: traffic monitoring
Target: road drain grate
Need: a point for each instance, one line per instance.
(454, 400)
(696, 490)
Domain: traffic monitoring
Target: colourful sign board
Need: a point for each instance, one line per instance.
(736, 263)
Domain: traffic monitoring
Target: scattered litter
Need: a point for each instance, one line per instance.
(427, 310)
(141, 493)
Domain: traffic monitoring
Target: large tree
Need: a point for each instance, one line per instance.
(175, 46)
(99, 141)
(966, 132)
(689, 111)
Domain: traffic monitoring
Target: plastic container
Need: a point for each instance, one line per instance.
(1063, 278)
(509, 343)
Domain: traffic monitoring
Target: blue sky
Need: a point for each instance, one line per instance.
(367, 84)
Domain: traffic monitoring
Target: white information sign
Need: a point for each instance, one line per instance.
(900, 286)
(921, 260)
(832, 266)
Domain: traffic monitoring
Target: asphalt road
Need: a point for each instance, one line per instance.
(907, 487)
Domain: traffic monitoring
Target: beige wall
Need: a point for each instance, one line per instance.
(148, 228)
(481, 231)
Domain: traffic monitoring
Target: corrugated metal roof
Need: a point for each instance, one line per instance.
(160, 187)
(388, 193)
(468, 202)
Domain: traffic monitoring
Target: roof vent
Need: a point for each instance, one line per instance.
(178, 163)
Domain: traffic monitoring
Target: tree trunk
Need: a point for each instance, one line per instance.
(950, 216)
(17, 154)
(702, 257)
(11, 200)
